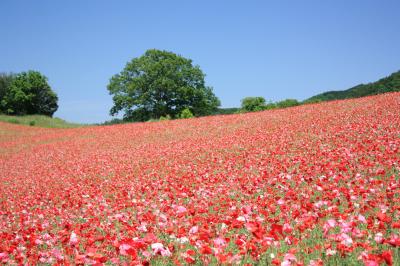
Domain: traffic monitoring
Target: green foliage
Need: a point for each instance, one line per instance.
(160, 83)
(310, 101)
(287, 103)
(270, 105)
(163, 118)
(13, 121)
(5, 81)
(29, 93)
(226, 111)
(113, 121)
(388, 84)
(38, 120)
(253, 104)
(186, 113)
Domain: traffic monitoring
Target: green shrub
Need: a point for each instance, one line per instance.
(287, 103)
(163, 118)
(114, 121)
(310, 101)
(32, 123)
(253, 104)
(186, 113)
(13, 120)
(270, 105)
(227, 111)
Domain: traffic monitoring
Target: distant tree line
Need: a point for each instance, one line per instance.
(254, 104)
(387, 84)
(384, 85)
(26, 93)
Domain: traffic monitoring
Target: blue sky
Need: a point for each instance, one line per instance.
(275, 49)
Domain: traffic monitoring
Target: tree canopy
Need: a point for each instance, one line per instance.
(253, 104)
(5, 81)
(160, 83)
(27, 93)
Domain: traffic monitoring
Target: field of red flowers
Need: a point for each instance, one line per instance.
(310, 185)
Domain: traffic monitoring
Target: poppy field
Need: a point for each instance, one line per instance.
(316, 184)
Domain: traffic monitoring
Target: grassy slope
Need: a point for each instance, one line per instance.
(387, 84)
(38, 120)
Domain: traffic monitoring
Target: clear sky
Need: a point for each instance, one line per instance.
(275, 49)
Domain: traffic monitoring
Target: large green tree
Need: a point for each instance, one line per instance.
(29, 93)
(160, 83)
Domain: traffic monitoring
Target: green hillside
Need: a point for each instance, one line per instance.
(38, 120)
(387, 84)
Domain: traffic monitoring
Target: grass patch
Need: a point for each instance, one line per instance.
(38, 121)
